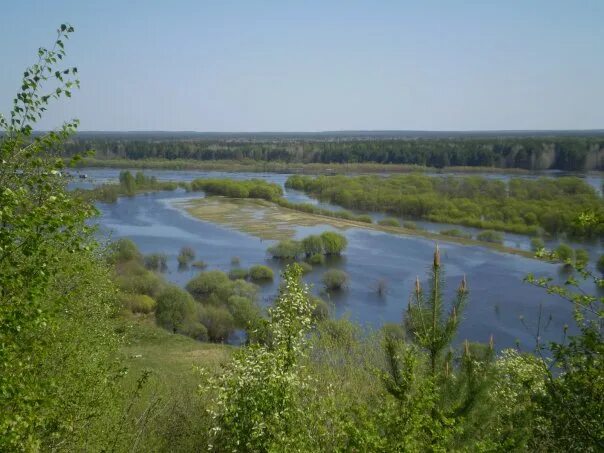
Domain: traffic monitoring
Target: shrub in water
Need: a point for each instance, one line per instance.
(456, 233)
(490, 236)
(124, 250)
(410, 225)
(305, 267)
(206, 283)
(312, 245)
(334, 279)
(186, 255)
(156, 262)
(199, 264)
(235, 261)
(581, 257)
(286, 249)
(389, 221)
(333, 243)
(260, 272)
(364, 218)
(316, 260)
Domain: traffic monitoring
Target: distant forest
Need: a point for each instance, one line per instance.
(538, 152)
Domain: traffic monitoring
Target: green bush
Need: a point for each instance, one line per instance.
(194, 329)
(199, 264)
(490, 236)
(235, 261)
(581, 257)
(175, 308)
(147, 283)
(156, 262)
(455, 232)
(390, 222)
(286, 249)
(364, 218)
(260, 272)
(333, 243)
(312, 245)
(206, 283)
(565, 253)
(334, 279)
(185, 256)
(393, 331)
(410, 225)
(124, 250)
(320, 311)
(305, 267)
(246, 313)
(316, 260)
(218, 321)
(138, 303)
(238, 274)
(537, 244)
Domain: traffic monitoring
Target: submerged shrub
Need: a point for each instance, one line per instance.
(389, 221)
(316, 260)
(260, 272)
(312, 245)
(199, 264)
(238, 274)
(286, 249)
(235, 261)
(410, 225)
(333, 243)
(124, 250)
(581, 258)
(206, 283)
(455, 232)
(490, 236)
(334, 279)
(364, 218)
(305, 267)
(156, 262)
(185, 256)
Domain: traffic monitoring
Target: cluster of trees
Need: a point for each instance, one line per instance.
(313, 247)
(253, 188)
(533, 153)
(553, 206)
(213, 306)
(129, 185)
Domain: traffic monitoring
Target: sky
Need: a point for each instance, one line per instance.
(193, 65)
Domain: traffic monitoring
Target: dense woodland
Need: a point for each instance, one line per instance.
(75, 314)
(531, 153)
(542, 206)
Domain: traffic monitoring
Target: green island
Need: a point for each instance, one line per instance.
(536, 207)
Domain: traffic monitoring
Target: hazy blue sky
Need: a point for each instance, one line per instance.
(318, 65)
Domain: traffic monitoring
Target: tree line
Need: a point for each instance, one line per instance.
(530, 153)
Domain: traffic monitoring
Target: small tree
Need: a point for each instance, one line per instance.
(258, 397)
(174, 309)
